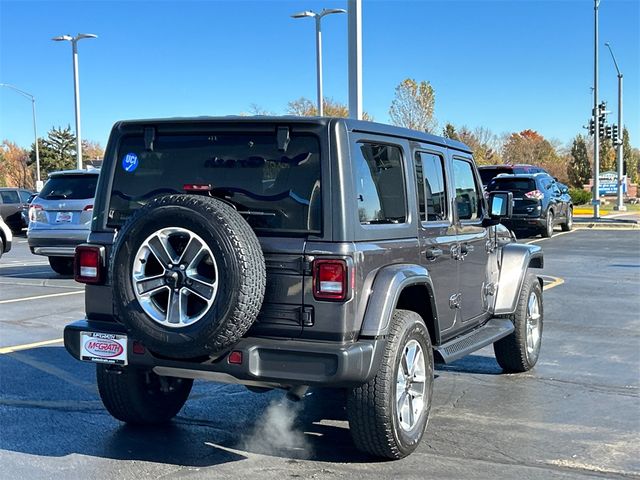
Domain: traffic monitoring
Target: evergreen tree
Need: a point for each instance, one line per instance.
(580, 166)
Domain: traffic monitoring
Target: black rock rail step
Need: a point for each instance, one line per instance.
(493, 330)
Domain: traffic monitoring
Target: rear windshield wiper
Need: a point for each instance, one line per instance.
(55, 195)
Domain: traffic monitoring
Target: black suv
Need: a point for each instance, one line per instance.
(286, 252)
(540, 203)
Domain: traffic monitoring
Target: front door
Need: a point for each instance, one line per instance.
(473, 242)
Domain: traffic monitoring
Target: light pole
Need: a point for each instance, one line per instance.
(596, 114)
(76, 85)
(619, 204)
(318, 18)
(35, 130)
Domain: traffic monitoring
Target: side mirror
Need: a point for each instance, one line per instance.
(500, 205)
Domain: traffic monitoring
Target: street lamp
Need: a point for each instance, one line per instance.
(35, 131)
(318, 18)
(596, 113)
(76, 85)
(619, 203)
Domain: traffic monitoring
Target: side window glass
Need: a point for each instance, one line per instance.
(380, 184)
(24, 196)
(468, 197)
(10, 197)
(434, 191)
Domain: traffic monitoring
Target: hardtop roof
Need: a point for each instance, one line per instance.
(351, 124)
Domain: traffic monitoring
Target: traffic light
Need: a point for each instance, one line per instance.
(614, 133)
(592, 127)
(607, 131)
(602, 118)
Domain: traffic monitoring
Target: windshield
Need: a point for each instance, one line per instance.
(274, 190)
(70, 187)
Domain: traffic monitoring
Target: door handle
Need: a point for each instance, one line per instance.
(433, 253)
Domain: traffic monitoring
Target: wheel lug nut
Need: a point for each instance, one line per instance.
(182, 267)
(170, 265)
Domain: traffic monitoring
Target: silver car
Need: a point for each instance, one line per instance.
(5, 237)
(60, 217)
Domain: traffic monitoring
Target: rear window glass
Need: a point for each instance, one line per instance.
(488, 174)
(273, 190)
(512, 184)
(70, 187)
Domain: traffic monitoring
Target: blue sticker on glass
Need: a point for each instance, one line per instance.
(130, 162)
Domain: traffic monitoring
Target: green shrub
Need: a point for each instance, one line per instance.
(579, 196)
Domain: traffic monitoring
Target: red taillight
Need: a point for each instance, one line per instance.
(88, 264)
(535, 194)
(196, 187)
(330, 279)
(33, 212)
(235, 357)
(87, 208)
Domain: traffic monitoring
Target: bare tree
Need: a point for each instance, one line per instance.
(413, 106)
(332, 108)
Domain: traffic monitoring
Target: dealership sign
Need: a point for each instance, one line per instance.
(609, 183)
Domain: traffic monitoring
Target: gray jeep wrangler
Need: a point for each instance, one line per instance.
(285, 252)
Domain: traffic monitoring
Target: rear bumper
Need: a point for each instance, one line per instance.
(56, 243)
(525, 221)
(265, 361)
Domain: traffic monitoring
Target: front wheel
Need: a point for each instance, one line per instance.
(62, 265)
(519, 351)
(140, 396)
(389, 414)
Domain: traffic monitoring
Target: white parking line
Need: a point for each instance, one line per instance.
(554, 236)
(27, 346)
(15, 263)
(38, 297)
(40, 285)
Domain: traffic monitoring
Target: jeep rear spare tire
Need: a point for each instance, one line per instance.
(188, 276)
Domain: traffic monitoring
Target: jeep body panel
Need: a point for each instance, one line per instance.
(456, 273)
(517, 258)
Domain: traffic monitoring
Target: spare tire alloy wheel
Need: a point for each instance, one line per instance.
(188, 276)
(187, 284)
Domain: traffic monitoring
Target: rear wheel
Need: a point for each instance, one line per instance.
(62, 265)
(1, 246)
(389, 414)
(140, 396)
(567, 226)
(547, 229)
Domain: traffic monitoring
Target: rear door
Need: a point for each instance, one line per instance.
(437, 234)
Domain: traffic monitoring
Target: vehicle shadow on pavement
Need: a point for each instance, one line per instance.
(477, 364)
(32, 272)
(44, 390)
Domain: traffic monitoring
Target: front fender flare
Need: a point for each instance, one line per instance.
(387, 287)
(517, 258)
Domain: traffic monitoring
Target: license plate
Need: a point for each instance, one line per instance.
(64, 217)
(103, 348)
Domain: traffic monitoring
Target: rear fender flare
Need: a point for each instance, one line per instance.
(385, 292)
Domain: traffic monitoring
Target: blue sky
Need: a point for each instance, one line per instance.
(505, 65)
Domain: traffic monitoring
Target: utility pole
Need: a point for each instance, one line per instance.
(596, 114)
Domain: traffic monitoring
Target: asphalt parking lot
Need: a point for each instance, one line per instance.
(576, 415)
